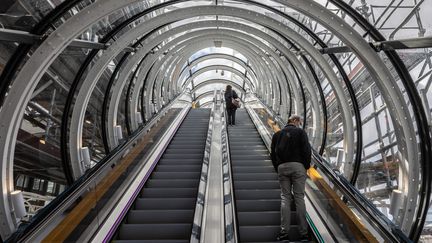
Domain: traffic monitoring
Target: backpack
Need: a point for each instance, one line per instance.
(236, 101)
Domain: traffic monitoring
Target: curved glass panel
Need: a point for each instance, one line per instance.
(38, 167)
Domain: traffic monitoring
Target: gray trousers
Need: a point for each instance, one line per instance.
(292, 177)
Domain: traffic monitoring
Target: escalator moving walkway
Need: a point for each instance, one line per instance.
(164, 210)
(256, 186)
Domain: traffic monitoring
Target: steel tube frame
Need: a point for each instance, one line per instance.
(420, 118)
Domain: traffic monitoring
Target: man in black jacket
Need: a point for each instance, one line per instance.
(291, 154)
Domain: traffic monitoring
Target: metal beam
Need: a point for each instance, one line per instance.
(403, 44)
(24, 37)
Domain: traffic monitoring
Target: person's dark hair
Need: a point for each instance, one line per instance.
(294, 118)
(228, 88)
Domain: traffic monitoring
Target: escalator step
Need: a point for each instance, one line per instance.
(258, 205)
(256, 185)
(263, 218)
(252, 163)
(169, 192)
(265, 233)
(183, 156)
(186, 146)
(180, 168)
(177, 162)
(257, 194)
(247, 151)
(254, 169)
(174, 183)
(160, 216)
(150, 241)
(164, 203)
(241, 147)
(155, 231)
(255, 176)
(249, 157)
(188, 151)
(175, 175)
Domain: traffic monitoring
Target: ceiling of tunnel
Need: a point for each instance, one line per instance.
(101, 64)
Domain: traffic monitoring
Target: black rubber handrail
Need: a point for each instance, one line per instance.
(367, 208)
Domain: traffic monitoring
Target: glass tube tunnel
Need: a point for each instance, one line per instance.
(93, 94)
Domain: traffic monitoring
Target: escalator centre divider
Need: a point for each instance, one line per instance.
(202, 187)
(231, 228)
(256, 185)
(164, 208)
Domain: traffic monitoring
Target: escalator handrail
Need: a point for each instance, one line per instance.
(367, 207)
(25, 229)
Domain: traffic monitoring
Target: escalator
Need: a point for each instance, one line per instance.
(256, 186)
(164, 210)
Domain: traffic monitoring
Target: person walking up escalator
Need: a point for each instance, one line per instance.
(291, 155)
(231, 106)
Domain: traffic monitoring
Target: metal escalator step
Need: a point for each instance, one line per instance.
(193, 126)
(184, 150)
(259, 218)
(258, 205)
(160, 216)
(195, 139)
(254, 151)
(176, 141)
(255, 176)
(183, 156)
(252, 163)
(150, 241)
(164, 203)
(191, 134)
(169, 192)
(179, 162)
(155, 231)
(174, 183)
(249, 143)
(249, 194)
(238, 185)
(187, 146)
(175, 168)
(263, 218)
(265, 233)
(254, 169)
(175, 175)
(241, 147)
(249, 156)
(244, 139)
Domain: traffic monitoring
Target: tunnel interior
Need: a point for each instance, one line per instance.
(80, 77)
